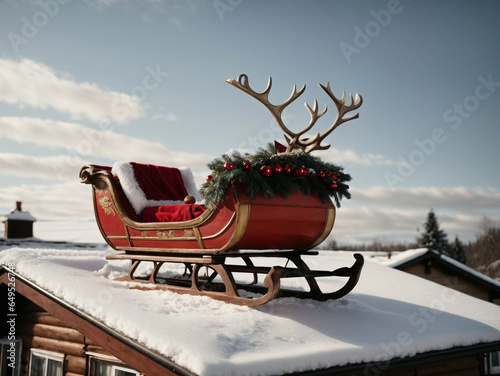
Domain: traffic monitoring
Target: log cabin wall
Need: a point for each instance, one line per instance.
(450, 280)
(40, 330)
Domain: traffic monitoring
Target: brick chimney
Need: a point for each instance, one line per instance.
(18, 205)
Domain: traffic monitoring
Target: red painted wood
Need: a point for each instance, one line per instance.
(274, 223)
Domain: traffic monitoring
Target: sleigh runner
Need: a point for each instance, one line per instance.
(155, 216)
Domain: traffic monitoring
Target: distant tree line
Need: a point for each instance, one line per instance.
(483, 254)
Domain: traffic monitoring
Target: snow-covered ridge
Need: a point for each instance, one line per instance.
(389, 314)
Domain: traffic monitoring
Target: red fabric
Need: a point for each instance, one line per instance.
(160, 183)
(172, 213)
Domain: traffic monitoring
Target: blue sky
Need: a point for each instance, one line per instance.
(104, 80)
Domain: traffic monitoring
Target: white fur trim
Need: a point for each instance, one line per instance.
(190, 184)
(136, 196)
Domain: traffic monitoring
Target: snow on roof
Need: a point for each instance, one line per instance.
(20, 216)
(389, 314)
(403, 257)
(412, 254)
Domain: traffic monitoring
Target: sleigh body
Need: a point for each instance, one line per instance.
(239, 228)
(298, 222)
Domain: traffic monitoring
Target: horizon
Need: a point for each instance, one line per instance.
(103, 81)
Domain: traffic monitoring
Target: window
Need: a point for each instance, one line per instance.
(494, 363)
(46, 363)
(110, 367)
(10, 356)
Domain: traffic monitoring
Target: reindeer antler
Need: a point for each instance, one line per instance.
(294, 140)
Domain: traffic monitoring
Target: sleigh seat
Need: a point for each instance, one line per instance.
(158, 193)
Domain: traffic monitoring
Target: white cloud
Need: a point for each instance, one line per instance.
(49, 168)
(459, 198)
(85, 144)
(398, 215)
(28, 83)
(360, 225)
(349, 156)
(54, 201)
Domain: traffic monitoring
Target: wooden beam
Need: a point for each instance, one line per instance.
(125, 349)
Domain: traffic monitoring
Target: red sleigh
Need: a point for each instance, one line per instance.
(141, 210)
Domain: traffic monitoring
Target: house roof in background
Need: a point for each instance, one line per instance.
(18, 215)
(415, 256)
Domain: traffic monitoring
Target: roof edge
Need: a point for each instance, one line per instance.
(443, 260)
(398, 363)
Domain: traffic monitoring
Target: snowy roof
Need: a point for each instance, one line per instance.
(389, 314)
(18, 215)
(413, 254)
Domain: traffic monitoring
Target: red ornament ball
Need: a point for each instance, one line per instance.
(287, 168)
(321, 173)
(299, 171)
(266, 170)
(335, 176)
(278, 169)
(247, 165)
(209, 178)
(334, 185)
(229, 166)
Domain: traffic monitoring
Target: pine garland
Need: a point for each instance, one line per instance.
(270, 173)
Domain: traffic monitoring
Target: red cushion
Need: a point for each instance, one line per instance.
(172, 213)
(159, 182)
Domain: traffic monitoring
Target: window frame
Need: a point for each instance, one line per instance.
(493, 369)
(115, 363)
(5, 341)
(47, 355)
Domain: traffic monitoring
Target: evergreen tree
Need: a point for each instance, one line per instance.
(433, 237)
(457, 252)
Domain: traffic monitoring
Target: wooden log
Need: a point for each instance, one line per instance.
(56, 345)
(75, 364)
(50, 331)
(43, 318)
